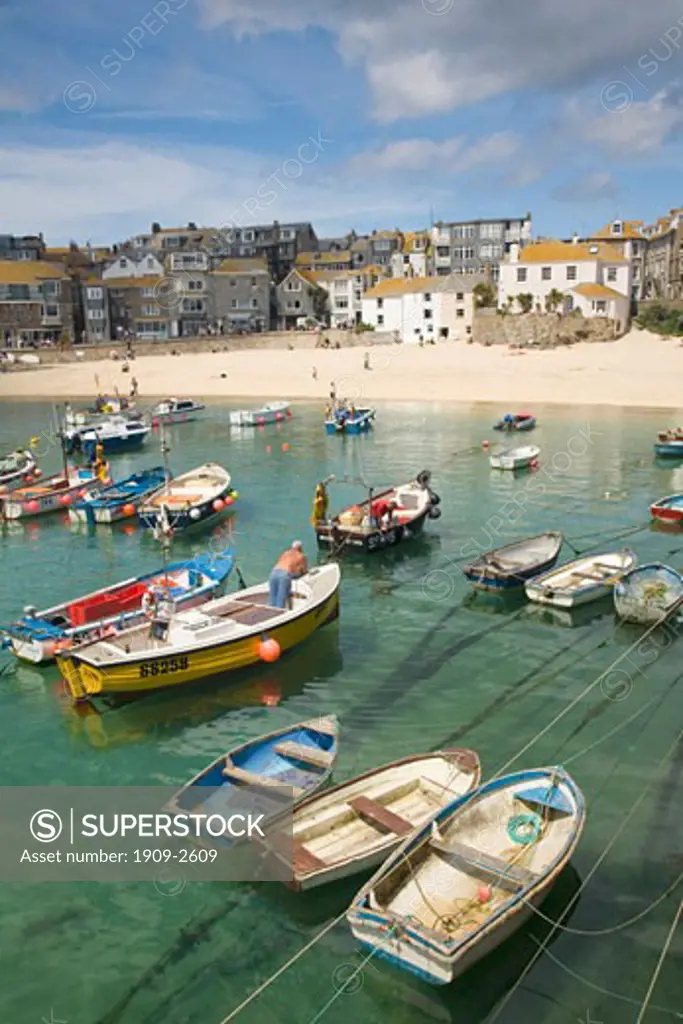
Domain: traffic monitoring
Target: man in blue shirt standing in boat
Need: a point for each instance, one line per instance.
(291, 564)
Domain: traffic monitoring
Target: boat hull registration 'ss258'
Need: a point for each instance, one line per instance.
(220, 637)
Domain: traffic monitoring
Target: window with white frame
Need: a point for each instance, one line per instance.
(521, 275)
(491, 231)
(428, 296)
(546, 273)
(94, 293)
(123, 263)
(149, 293)
(611, 273)
(600, 306)
(460, 312)
(233, 303)
(380, 303)
(571, 273)
(247, 236)
(50, 288)
(50, 309)
(194, 285)
(380, 319)
(193, 306)
(151, 310)
(96, 314)
(427, 314)
(294, 285)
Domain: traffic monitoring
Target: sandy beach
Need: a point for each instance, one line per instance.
(641, 369)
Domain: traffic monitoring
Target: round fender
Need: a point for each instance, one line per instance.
(434, 498)
(424, 477)
(434, 513)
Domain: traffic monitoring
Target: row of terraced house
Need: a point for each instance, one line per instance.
(183, 282)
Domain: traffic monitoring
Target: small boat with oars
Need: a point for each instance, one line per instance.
(669, 509)
(17, 469)
(39, 635)
(300, 757)
(118, 500)
(516, 421)
(175, 410)
(222, 636)
(193, 499)
(348, 419)
(582, 580)
(384, 519)
(271, 412)
(669, 449)
(648, 594)
(356, 825)
(472, 875)
(511, 566)
(515, 458)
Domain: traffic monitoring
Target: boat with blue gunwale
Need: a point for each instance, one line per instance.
(648, 594)
(119, 500)
(669, 449)
(669, 509)
(300, 757)
(349, 420)
(512, 565)
(472, 875)
(189, 501)
(516, 421)
(37, 636)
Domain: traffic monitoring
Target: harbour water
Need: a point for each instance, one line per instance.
(414, 663)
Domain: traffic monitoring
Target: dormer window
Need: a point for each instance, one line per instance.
(617, 227)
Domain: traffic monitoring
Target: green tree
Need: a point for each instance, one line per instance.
(525, 301)
(553, 300)
(484, 294)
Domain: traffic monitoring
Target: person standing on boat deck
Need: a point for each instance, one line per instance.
(162, 610)
(291, 564)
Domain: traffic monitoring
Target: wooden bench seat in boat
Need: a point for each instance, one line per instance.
(176, 499)
(309, 755)
(504, 872)
(303, 860)
(231, 771)
(381, 817)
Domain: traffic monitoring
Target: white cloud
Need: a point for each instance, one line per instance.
(590, 187)
(15, 100)
(633, 127)
(108, 190)
(418, 62)
(449, 156)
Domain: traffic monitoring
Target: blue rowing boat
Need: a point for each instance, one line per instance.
(119, 500)
(465, 880)
(669, 449)
(516, 421)
(648, 594)
(299, 758)
(39, 634)
(511, 566)
(350, 421)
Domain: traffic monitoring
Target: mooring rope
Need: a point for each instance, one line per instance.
(660, 962)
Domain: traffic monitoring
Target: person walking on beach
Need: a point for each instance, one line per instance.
(133, 388)
(333, 392)
(366, 362)
(291, 564)
(315, 373)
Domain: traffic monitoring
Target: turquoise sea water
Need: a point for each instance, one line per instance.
(414, 663)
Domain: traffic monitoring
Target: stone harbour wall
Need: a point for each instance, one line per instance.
(541, 330)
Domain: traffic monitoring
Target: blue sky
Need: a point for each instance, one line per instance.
(349, 113)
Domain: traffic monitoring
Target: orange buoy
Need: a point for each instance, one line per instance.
(129, 510)
(65, 499)
(218, 505)
(230, 500)
(269, 650)
(484, 893)
(285, 447)
(484, 444)
(269, 449)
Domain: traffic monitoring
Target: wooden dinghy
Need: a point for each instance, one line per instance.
(581, 581)
(515, 458)
(362, 527)
(648, 594)
(193, 499)
(511, 566)
(669, 509)
(301, 757)
(220, 637)
(355, 826)
(470, 877)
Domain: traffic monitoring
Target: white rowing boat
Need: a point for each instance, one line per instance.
(271, 412)
(581, 581)
(356, 825)
(515, 458)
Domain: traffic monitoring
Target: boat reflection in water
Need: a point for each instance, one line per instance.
(489, 603)
(572, 618)
(165, 714)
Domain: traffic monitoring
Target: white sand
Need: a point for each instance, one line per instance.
(639, 370)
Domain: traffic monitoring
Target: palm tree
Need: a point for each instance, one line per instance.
(525, 301)
(553, 300)
(484, 294)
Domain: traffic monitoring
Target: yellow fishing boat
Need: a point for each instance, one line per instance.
(221, 636)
